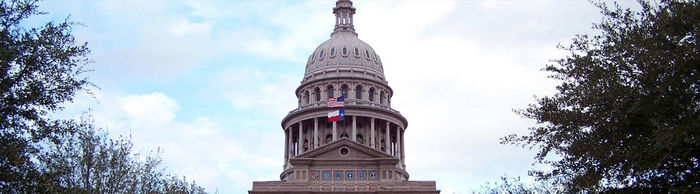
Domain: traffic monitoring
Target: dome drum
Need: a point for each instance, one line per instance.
(365, 92)
(347, 72)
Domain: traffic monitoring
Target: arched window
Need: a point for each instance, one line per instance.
(332, 51)
(328, 139)
(330, 91)
(371, 94)
(382, 145)
(317, 92)
(344, 91)
(357, 51)
(366, 53)
(381, 97)
(306, 97)
(345, 51)
(320, 55)
(306, 144)
(313, 56)
(358, 92)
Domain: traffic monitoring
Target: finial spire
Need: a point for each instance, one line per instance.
(344, 11)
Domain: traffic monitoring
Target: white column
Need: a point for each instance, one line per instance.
(286, 147)
(371, 133)
(354, 128)
(300, 142)
(290, 152)
(335, 132)
(403, 156)
(387, 142)
(398, 142)
(315, 132)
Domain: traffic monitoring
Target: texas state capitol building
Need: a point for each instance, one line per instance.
(364, 153)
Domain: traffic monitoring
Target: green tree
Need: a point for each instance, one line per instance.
(88, 161)
(515, 185)
(626, 116)
(40, 68)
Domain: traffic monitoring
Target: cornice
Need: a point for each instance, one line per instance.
(335, 78)
(389, 112)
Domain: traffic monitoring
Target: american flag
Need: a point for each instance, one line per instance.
(336, 102)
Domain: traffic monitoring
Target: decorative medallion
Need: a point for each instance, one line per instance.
(373, 175)
(350, 175)
(344, 152)
(326, 175)
(338, 175)
(314, 175)
(361, 175)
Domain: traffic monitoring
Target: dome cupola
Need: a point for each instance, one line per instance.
(344, 53)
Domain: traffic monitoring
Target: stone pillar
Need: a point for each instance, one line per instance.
(403, 156)
(335, 132)
(354, 128)
(398, 143)
(387, 141)
(371, 133)
(315, 133)
(286, 147)
(300, 142)
(290, 150)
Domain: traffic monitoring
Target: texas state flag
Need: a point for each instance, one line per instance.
(337, 115)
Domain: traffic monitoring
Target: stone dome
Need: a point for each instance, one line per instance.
(344, 51)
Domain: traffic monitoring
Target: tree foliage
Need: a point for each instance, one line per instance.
(626, 116)
(41, 68)
(515, 185)
(88, 161)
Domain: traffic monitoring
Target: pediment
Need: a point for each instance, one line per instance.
(344, 149)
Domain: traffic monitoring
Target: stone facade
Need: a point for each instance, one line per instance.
(363, 153)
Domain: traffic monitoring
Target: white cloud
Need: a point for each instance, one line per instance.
(205, 150)
(148, 110)
(185, 27)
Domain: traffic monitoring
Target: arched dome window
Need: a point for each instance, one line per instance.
(344, 91)
(313, 57)
(358, 92)
(371, 94)
(381, 97)
(332, 51)
(328, 139)
(357, 52)
(366, 53)
(317, 92)
(330, 91)
(306, 144)
(345, 51)
(306, 97)
(320, 56)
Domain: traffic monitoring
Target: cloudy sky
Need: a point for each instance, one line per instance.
(208, 82)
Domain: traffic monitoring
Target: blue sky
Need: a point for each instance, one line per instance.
(209, 81)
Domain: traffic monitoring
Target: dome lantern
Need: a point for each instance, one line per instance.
(343, 16)
(344, 54)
